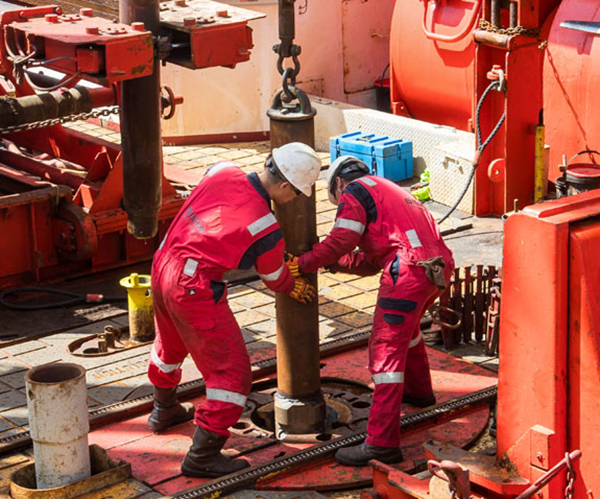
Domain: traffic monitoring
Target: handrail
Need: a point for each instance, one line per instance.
(448, 38)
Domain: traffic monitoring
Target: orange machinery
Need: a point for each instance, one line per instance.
(63, 195)
(444, 54)
(548, 392)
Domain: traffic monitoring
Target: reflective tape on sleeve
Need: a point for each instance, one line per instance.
(273, 276)
(262, 223)
(190, 267)
(344, 223)
(163, 366)
(226, 396)
(387, 378)
(414, 342)
(413, 238)
(369, 181)
(217, 167)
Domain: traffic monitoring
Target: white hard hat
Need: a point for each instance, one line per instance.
(336, 168)
(299, 165)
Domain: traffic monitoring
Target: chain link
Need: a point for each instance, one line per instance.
(59, 121)
(517, 30)
(571, 477)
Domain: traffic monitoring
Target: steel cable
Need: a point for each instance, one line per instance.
(480, 147)
(74, 298)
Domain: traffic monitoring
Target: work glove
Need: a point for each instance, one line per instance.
(292, 261)
(303, 291)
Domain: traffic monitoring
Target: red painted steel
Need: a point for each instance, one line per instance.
(514, 144)
(550, 260)
(133, 441)
(221, 46)
(86, 233)
(95, 215)
(571, 70)
(550, 350)
(438, 74)
(433, 80)
(583, 361)
(101, 50)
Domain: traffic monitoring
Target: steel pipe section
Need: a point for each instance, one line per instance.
(16, 111)
(299, 403)
(140, 131)
(58, 423)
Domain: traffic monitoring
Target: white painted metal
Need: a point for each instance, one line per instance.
(59, 423)
(447, 152)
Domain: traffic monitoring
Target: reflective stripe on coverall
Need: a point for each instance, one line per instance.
(226, 223)
(394, 232)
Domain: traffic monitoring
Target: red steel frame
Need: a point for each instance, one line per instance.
(71, 220)
(548, 391)
(510, 180)
(49, 230)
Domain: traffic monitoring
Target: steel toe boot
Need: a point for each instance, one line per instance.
(167, 410)
(360, 455)
(204, 459)
(419, 401)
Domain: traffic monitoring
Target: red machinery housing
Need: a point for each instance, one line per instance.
(61, 192)
(442, 55)
(550, 359)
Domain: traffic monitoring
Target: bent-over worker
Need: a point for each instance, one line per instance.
(396, 233)
(225, 224)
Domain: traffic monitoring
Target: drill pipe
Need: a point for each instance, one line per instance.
(140, 131)
(298, 368)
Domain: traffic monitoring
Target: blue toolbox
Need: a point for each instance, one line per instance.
(386, 156)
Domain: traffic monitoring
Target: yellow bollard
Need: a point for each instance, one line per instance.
(541, 166)
(141, 311)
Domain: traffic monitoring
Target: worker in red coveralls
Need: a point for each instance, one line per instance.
(225, 224)
(397, 234)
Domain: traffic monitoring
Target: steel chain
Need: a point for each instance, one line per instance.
(59, 121)
(287, 49)
(517, 30)
(571, 476)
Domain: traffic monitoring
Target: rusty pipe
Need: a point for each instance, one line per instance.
(16, 111)
(495, 13)
(59, 423)
(140, 131)
(513, 10)
(299, 403)
(287, 27)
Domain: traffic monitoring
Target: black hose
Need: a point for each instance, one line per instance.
(480, 147)
(75, 298)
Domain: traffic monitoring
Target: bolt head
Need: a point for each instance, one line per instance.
(138, 26)
(92, 30)
(222, 13)
(86, 12)
(51, 18)
(179, 3)
(189, 21)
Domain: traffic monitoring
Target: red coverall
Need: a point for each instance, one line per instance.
(394, 232)
(225, 224)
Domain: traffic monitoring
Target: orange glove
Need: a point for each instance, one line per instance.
(292, 262)
(303, 291)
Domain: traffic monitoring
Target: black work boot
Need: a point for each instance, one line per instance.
(167, 410)
(204, 459)
(419, 401)
(360, 455)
